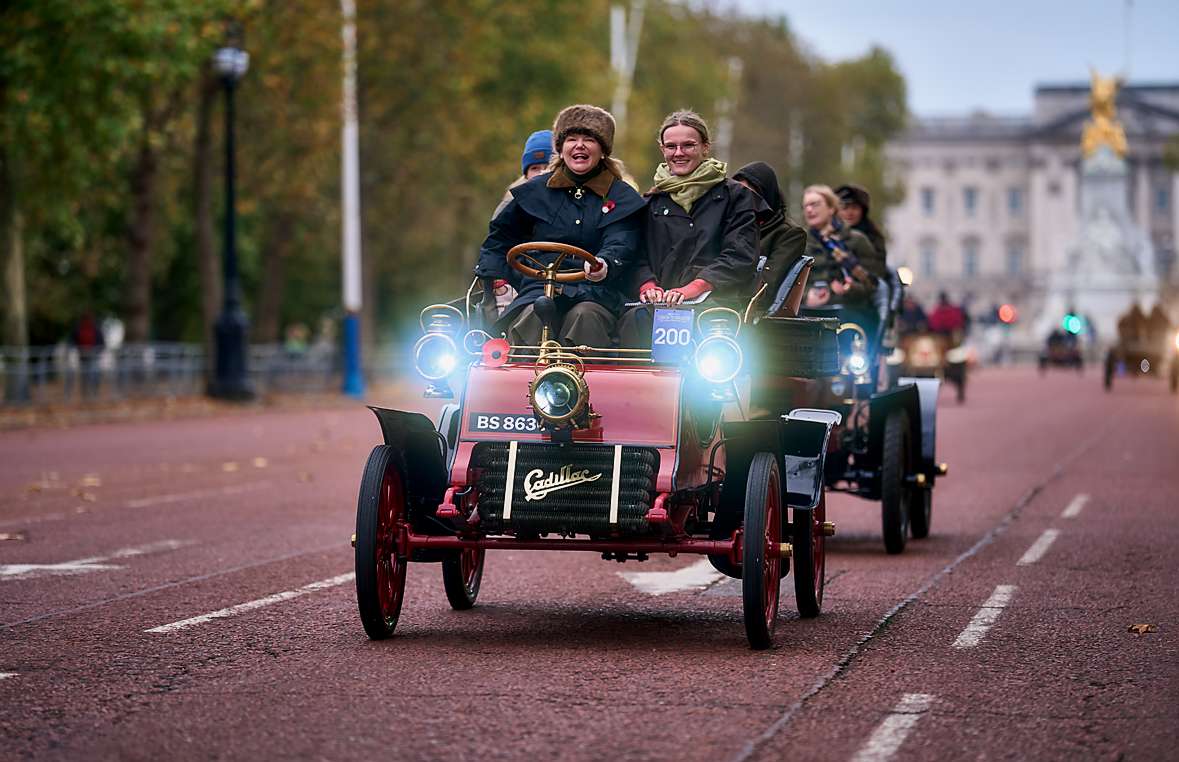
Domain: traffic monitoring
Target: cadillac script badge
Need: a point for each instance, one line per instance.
(537, 486)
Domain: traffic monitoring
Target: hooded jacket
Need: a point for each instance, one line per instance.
(717, 241)
(783, 241)
(604, 222)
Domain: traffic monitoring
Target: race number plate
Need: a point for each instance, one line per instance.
(671, 335)
(497, 422)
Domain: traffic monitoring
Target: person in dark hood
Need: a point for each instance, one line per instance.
(854, 205)
(700, 228)
(783, 241)
(582, 201)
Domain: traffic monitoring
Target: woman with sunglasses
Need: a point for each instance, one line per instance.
(700, 228)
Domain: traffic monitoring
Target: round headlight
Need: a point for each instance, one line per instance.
(857, 364)
(558, 394)
(718, 359)
(435, 356)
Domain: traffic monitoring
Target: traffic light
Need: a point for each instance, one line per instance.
(1008, 314)
(1073, 323)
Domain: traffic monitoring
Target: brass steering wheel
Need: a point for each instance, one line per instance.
(540, 270)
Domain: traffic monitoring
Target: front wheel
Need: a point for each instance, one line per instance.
(894, 490)
(761, 560)
(1174, 376)
(380, 519)
(922, 516)
(810, 558)
(461, 576)
(1110, 363)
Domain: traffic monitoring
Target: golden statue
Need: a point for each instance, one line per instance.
(1103, 129)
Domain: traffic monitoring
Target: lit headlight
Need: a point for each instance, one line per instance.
(558, 394)
(435, 356)
(718, 359)
(857, 363)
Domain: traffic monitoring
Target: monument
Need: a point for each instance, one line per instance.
(1112, 264)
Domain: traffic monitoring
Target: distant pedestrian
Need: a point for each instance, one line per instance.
(947, 319)
(88, 339)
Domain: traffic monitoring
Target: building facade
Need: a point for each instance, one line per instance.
(991, 205)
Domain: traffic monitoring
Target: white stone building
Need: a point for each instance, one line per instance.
(991, 204)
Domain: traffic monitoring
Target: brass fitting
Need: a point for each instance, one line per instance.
(354, 539)
(785, 550)
(943, 469)
(828, 528)
(919, 480)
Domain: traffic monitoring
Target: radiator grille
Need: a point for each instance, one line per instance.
(582, 507)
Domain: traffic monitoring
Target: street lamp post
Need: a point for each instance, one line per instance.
(231, 380)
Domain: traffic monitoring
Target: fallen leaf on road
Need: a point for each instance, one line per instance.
(14, 536)
(1142, 629)
(34, 487)
(81, 509)
(90, 480)
(89, 497)
(261, 463)
(305, 476)
(229, 467)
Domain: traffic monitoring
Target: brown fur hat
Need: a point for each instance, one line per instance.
(589, 120)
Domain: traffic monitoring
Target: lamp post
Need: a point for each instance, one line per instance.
(230, 380)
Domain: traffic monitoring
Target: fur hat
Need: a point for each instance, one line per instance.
(589, 120)
(538, 149)
(854, 194)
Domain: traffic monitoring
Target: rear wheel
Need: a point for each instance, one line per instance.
(380, 518)
(895, 495)
(810, 558)
(761, 562)
(922, 513)
(461, 576)
(1107, 382)
(1175, 375)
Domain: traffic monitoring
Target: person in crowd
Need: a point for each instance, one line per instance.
(700, 228)
(854, 203)
(87, 337)
(581, 201)
(1158, 326)
(947, 318)
(839, 274)
(783, 241)
(912, 318)
(1132, 325)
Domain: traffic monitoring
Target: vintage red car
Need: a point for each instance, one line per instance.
(621, 452)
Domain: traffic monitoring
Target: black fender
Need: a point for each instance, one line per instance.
(800, 445)
(920, 402)
(905, 396)
(419, 451)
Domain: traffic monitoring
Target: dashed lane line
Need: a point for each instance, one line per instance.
(1074, 507)
(241, 608)
(196, 494)
(84, 565)
(6, 675)
(1039, 547)
(986, 617)
(167, 586)
(845, 661)
(894, 729)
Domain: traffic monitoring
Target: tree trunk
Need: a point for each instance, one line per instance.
(276, 252)
(141, 240)
(12, 255)
(208, 259)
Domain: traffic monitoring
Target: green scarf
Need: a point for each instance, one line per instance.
(685, 191)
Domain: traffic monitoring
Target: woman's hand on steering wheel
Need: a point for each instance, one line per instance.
(541, 271)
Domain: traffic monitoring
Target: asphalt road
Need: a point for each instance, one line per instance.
(1005, 635)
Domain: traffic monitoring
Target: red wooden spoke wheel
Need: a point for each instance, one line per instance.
(461, 576)
(380, 518)
(810, 558)
(761, 562)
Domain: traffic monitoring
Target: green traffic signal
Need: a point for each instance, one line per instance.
(1074, 324)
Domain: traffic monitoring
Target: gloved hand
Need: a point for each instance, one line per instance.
(596, 275)
(687, 292)
(650, 292)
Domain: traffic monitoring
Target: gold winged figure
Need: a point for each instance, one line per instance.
(1103, 129)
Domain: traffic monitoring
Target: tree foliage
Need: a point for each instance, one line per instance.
(448, 90)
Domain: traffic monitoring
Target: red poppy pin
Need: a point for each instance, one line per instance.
(607, 206)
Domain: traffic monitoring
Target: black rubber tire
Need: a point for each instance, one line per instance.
(894, 492)
(761, 577)
(810, 545)
(921, 513)
(380, 571)
(1107, 381)
(1174, 376)
(961, 387)
(462, 574)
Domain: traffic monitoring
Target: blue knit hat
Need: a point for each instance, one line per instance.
(538, 149)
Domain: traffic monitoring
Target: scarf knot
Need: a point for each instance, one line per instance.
(688, 189)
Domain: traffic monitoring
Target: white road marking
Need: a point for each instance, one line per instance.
(1039, 547)
(986, 616)
(4, 675)
(1074, 507)
(892, 731)
(179, 497)
(84, 565)
(256, 604)
(698, 576)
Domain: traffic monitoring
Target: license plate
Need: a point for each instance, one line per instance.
(496, 422)
(671, 335)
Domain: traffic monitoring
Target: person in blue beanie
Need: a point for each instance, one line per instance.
(538, 152)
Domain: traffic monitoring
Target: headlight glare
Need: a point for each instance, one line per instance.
(857, 363)
(558, 394)
(719, 359)
(435, 356)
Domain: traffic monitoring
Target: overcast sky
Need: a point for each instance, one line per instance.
(961, 56)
